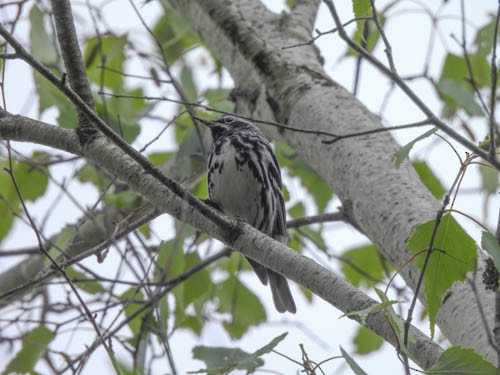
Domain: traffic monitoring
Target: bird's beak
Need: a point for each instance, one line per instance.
(203, 121)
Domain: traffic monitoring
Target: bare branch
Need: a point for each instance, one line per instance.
(334, 216)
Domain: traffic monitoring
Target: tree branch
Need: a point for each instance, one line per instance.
(72, 56)
(24, 129)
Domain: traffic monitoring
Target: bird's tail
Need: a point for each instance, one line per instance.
(282, 296)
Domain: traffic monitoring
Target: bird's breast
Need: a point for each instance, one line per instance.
(237, 185)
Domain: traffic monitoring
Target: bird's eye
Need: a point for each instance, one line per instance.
(228, 120)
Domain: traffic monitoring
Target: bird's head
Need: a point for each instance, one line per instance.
(227, 124)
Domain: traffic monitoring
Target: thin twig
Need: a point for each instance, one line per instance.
(155, 79)
(332, 31)
(482, 314)
(380, 130)
(430, 250)
(308, 220)
(463, 45)
(388, 48)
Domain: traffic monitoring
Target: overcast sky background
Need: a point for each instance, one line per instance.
(316, 325)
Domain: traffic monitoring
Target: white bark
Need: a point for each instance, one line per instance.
(384, 202)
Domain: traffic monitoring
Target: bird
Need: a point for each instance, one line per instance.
(244, 181)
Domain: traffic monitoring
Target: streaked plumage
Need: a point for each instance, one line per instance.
(244, 180)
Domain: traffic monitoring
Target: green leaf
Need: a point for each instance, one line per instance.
(175, 34)
(244, 307)
(454, 256)
(8, 201)
(352, 363)
(429, 179)
(484, 38)
(297, 210)
(88, 173)
(171, 263)
(290, 4)
(158, 158)
(403, 153)
(123, 369)
(188, 83)
(361, 8)
(34, 345)
(489, 179)
(198, 285)
(297, 167)
(42, 45)
(367, 34)
(460, 361)
(123, 114)
(201, 188)
(49, 96)
(218, 99)
(145, 229)
(363, 266)
(220, 360)
(84, 283)
(268, 347)
(133, 300)
(183, 124)
(106, 51)
(32, 184)
(490, 244)
(188, 158)
(454, 87)
(60, 244)
(455, 69)
(397, 325)
(366, 341)
(363, 314)
(485, 144)
(314, 236)
(457, 95)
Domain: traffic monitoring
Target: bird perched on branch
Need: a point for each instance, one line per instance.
(244, 180)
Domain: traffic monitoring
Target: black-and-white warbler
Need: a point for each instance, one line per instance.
(244, 180)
